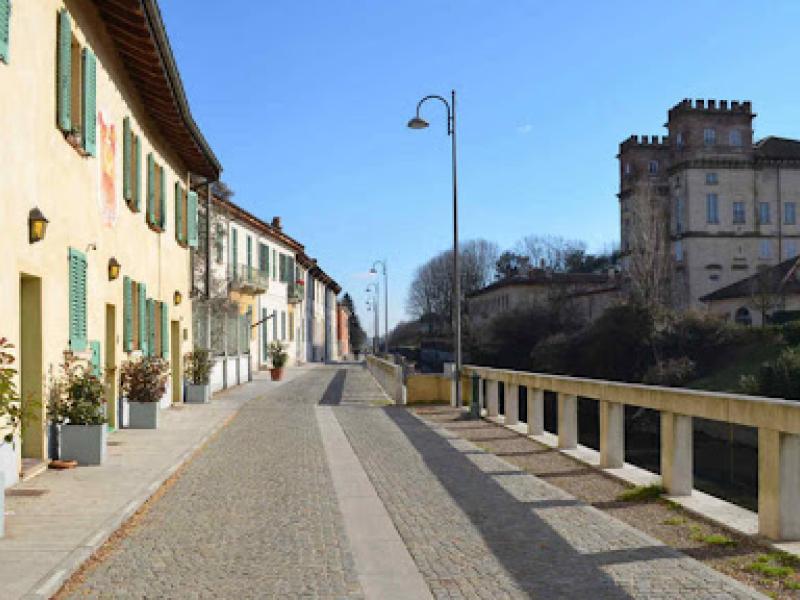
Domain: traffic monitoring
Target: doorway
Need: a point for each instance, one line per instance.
(31, 371)
(110, 368)
(175, 354)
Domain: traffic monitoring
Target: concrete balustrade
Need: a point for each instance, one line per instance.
(777, 421)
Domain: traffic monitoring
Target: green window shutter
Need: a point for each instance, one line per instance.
(127, 314)
(151, 188)
(164, 330)
(64, 90)
(249, 254)
(234, 251)
(77, 300)
(191, 227)
(5, 19)
(274, 325)
(274, 263)
(283, 325)
(163, 221)
(151, 327)
(89, 102)
(263, 252)
(178, 212)
(94, 346)
(143, 337)
(126, 159)
(264, 333)
(137, 189)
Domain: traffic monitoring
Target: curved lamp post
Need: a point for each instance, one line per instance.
(374, 271)
(417, 122)
(375, 287)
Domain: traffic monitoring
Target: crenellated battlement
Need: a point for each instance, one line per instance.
(711, 105)
(648, 141)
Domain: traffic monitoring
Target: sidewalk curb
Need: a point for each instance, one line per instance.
(52, 582)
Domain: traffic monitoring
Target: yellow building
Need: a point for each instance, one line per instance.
(98, 139)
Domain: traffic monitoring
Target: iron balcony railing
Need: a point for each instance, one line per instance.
(248, 278)
(294, 292)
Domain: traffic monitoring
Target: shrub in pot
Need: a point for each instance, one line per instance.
(197, 365)
(144, 382)
(77, 406)
(278, 356)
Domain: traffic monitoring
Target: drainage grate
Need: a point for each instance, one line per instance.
(25, 493)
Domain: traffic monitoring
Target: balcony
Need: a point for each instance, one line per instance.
(247, 279)
(295, 291)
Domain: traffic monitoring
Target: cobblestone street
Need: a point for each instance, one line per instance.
(255, 515)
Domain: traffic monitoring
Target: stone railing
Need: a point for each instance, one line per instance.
(777, 421)
(389, 376)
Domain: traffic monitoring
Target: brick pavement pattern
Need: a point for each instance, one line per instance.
(254, 515)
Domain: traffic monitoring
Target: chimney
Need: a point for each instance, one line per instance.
(276, 223)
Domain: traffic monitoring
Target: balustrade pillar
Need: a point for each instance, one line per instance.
(535, 411)
(778, 484)
(612, 434)
(676, 454)
(491, 398)
(567, 421)
(512, 404)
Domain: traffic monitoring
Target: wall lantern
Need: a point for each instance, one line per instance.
(177, 297)
(113, 268)
(37, 225)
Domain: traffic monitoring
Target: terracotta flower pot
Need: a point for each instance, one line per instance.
(276, 374)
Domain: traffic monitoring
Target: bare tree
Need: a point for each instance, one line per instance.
(649, 262)
(765, 292)
(549, 251)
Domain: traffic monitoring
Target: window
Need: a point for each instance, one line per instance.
(790, 250)
(712, 208)
(234, 251)
(763, 212)
(156, 194)
(679, 251)
(274, 325)
(249, 255)
(764, 249)
(627, 168)
(263, 258)
(291, 326)
(789, 213)
(131, 166)
(181, 214)
(709, 136)
(679, 139)
(5, 17)
(735, 137)
(652, 167)
(679, 215)
(283, 325)
(76, 88)
(738, 213)
(220, 242)
(274, 267)
(134, 317)
(711, 179)
(264, 330)
(77, 300)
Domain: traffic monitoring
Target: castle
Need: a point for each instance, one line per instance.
(706, 202)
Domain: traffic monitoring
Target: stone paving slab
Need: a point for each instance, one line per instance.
(479, 527)
(47, 537)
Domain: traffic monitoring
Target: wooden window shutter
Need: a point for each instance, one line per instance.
(143, 337)
(162, 219)
(151, 328)
(64, 91)
(234, 251)
(127, 314)
(249, 254)
(89, 102)
(126, 159)
(97, 369)
(151, 188)
(164, 330)
(179, 213)
(137, 173)
(263, 252)
(77, 300)
(191, 220)
(5, 20)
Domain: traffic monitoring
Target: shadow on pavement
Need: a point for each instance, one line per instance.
(539, 559)
(333, 393)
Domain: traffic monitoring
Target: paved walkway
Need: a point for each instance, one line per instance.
(263, 512)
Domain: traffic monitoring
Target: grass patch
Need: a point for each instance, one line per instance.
(712, 539)
(674, 521)
(776, 565)
(641, 493)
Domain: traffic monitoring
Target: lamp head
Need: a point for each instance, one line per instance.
(373, 271)
(417, 123)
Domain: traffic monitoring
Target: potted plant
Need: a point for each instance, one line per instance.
(77, 406)
(197, 365)
(9, 399)
(278, 356)
(144, 382)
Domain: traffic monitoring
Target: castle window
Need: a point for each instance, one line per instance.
(678, 251)
(735, 137)
(738, 213)
(790, 249)
(627, 168)
(653, 167)
(789, 213)
(764, 249)
(712, 208)
(679, 139)
(679, 215)
(712, 179)
(709, 136)
(763, 213)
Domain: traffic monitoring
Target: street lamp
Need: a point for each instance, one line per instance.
(374, 271)
(418, 122)
(375, 286)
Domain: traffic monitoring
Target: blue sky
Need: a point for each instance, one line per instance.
(305, 103)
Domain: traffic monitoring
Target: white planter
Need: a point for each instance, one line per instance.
(198, 393)
(143, 415)
(84, 443)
